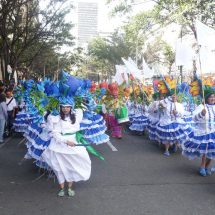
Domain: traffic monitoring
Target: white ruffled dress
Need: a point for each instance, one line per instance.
(70, 164)
(140, 121)
(153, 119)
(198, 142)
(131, 110)
(169, 129)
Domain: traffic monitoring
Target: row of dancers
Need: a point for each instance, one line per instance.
(180, 122)
(62, 120)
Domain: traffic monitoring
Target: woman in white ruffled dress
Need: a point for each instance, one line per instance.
(201, 141)
(171, 129)
(70, 163)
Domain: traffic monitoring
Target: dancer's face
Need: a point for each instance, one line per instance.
(66, 109)
(174, 98)
(115, 96)
(211, 99)
(161, 97)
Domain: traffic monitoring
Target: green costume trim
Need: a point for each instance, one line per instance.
(207, 91)
(156, 95)
(172, 92)
(80, 139)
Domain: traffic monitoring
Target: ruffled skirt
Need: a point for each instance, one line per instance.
(72, 167)
(139, 123)
(152, 127)
(197, 145)
(94, 133)
(22, 121)
(172, 133)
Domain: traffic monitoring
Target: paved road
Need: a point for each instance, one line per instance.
(136, 179)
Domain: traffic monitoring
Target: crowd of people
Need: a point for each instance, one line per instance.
(9, 107)
(62, 120)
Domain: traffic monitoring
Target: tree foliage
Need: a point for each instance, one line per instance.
(30, 29)
(105, 53)
(168, 11)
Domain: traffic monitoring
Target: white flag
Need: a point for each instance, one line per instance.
(205, 61)
(147, 70)
(134, 71)
(184, 55)
(205, 34)
(118, 77)
(132, 62)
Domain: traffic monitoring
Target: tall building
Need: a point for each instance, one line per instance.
(87, 21)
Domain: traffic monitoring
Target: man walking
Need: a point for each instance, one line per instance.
(11, 105)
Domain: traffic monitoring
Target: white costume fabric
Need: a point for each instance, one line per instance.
(153, 119)
(141, 117)
(172, 128)
(131, 109)
(70, 164)
(198, 142)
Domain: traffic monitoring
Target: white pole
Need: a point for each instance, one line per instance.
(137, 52)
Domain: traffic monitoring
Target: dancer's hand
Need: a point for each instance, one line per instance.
(204, 112)
(174, 112)
(71, 143)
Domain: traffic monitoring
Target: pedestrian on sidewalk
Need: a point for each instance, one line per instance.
(11, 106)
(3, 115)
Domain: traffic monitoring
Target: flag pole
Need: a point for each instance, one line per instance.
(175, 95)
(203, 92)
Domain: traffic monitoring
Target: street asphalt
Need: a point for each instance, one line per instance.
(135, 179)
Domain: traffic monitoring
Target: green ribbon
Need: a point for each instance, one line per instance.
(80, 139)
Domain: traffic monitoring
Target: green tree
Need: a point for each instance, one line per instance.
(168, 11)
(105, 53)
(28, 31)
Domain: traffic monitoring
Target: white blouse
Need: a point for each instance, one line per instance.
(199, 118)
(168, 105)
(59, 141)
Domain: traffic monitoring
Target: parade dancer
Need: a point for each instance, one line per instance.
(202, 139)
(70, 163)
(113, 105)
(154, 116)
(65, 155)
(140, 120)
(171, 129)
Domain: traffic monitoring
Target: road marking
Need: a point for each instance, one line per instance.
(112, 147)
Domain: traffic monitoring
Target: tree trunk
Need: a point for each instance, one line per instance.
(2, 65)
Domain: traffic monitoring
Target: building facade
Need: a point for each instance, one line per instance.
(87, 21)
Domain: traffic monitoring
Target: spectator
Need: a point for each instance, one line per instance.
(3, 115)
(11, 105)
(2, 91)
(1, 86)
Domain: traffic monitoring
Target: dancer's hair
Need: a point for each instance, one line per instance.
(72, 116)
